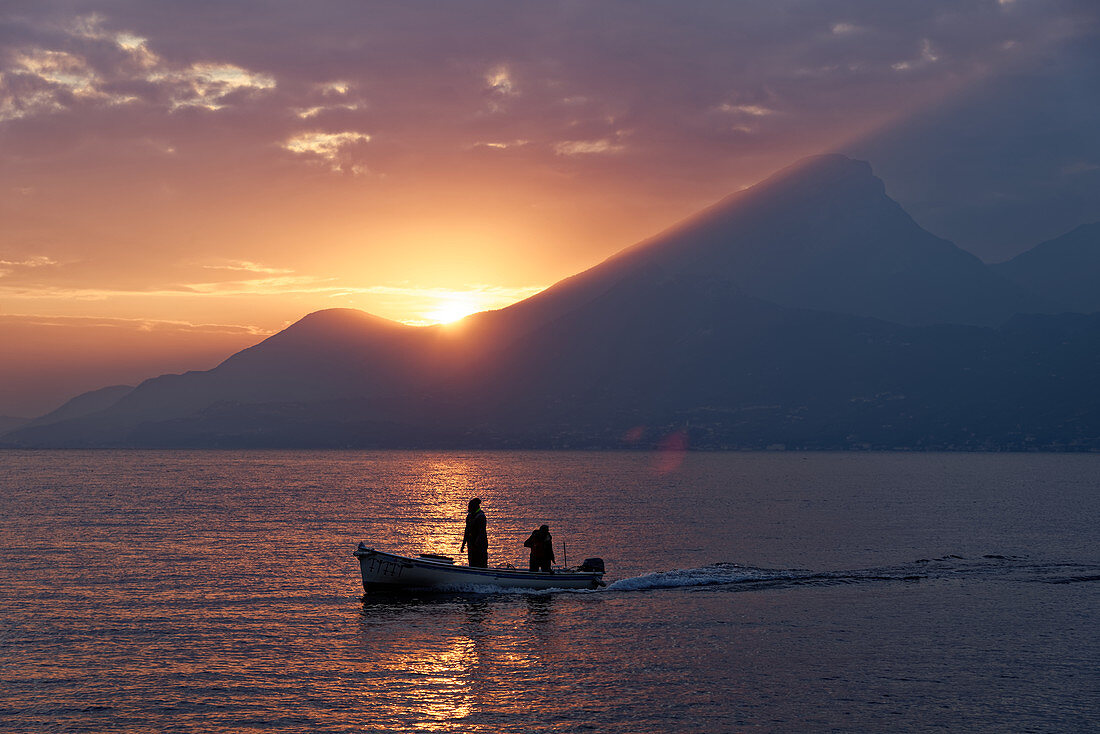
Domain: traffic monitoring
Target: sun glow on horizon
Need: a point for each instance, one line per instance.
(453, 308)
(417, 306)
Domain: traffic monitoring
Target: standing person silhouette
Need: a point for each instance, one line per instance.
(476, 537)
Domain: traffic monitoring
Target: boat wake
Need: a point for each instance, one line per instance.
(712, 575)
(1008, 568)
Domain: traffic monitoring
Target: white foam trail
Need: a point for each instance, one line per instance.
(721, 573)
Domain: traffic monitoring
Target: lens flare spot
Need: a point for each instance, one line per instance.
(670, 452)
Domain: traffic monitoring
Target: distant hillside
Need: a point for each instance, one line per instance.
(11, 422)
(83, 404)
(1065, 269)
(807, 311)
(723, 369)
(732, 371)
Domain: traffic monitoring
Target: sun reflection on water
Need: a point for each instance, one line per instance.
(434, 682)
(495, 653)
(446, 488)
(444, 694)
(429, 510)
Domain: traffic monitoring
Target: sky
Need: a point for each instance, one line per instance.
(180, 179)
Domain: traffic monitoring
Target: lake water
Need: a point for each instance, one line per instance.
(749, 592)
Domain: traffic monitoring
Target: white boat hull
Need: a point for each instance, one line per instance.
(391, 572)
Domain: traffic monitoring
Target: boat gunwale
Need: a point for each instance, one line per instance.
(486, 573)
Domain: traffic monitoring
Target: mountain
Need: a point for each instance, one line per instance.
(695, 354)
(11, 422)
(823, 235)
(652, 358)
(336, 354)
(331, 354)
(1065, 269)
(83, 404)
(808, 311)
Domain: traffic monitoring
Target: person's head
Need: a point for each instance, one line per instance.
(544, 528)
(475, 504)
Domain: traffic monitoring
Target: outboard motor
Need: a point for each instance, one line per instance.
(592, 564)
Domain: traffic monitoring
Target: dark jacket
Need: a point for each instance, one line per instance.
(541, 544)
(475, 536)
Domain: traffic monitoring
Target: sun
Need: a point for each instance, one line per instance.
(452, 308)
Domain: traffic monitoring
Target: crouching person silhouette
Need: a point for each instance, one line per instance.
(541, 544)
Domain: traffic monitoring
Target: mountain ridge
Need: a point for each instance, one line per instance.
(814, 274)
(1065, 269)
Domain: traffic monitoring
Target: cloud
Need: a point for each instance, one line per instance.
(501, 145)
(277, 285)
(307, 113)
(927, 56)
(274, 285)
(1077, 167)
(752, 110)
(93, 65)
(57, 67)
(132, 324)
(247, 266)
(208, 85)
(586, 147)
(37, 261)
(340, 151)
(499, 81)
(335, 88)
(40, 81)
(421, 297)
(8, 267)
(845, 29)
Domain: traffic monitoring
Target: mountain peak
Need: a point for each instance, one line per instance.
(351, 318)
(832, 166)
(823, 234)
(812, 184)
(321, 331)
(830, 175)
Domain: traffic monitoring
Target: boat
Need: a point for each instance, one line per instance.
(430, 572)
